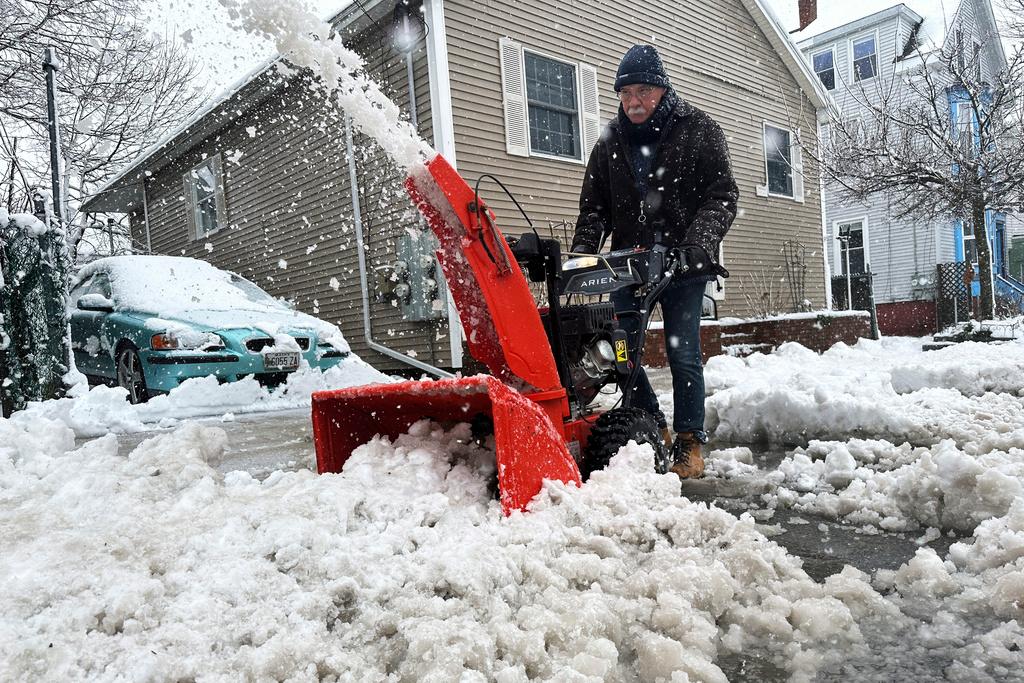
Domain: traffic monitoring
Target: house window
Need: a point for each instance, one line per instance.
(970, 245)
(850, 235)
(551, 98)
(977, 62)
(778, 156)
(825, 67)
(552, 107)
(965, 129)
(205, 190)
(960, 50)
(865, 59)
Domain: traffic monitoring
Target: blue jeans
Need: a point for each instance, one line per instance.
(680, 308)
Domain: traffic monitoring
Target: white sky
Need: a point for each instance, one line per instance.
(835, 13)
(226, 54)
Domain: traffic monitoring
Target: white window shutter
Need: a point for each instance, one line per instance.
(591, 108)
(222, 205)
(188, 192)
(797, 152)
(513, 90)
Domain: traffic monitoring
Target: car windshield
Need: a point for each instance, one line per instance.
(252, 292)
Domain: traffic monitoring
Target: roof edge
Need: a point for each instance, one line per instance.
(134, 169)
(765, 18)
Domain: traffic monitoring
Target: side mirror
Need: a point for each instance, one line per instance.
(95, 302)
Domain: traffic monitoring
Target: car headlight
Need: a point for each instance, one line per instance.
(169, 341)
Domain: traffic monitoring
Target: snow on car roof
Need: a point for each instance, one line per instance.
(175, 285)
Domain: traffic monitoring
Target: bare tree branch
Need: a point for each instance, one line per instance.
(941, 138)
(120, 87)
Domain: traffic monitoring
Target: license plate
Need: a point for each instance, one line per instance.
(281, 360)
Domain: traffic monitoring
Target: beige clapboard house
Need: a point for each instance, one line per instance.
(271, 182)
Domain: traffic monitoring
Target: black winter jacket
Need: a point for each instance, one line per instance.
(691, 188)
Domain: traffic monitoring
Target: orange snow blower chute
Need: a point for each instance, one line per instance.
(523, 396)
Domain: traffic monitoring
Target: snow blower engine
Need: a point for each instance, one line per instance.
(546, 365)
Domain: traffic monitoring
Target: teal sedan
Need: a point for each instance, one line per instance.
(148, 323)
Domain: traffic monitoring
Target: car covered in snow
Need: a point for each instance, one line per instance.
(148, 323)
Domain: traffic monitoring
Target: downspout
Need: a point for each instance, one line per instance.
(824, 225)
(411, 76)
(444, 132)
(145, 217)
(361, 249)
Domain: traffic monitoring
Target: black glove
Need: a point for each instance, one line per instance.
(694, 260)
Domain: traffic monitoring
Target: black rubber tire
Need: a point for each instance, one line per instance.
(613, 430)
(128, 369)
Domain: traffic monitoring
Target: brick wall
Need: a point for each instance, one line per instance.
(817, 333)
(907, 318)
(710, 344)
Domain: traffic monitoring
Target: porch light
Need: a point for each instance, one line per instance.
(407, 28)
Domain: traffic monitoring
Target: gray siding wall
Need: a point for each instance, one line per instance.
(720, 61)
(289, 201)
(900, 250)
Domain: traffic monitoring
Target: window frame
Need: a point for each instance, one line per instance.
(213, 161)
(814, 55)
(579, 108)
(972, 239)
(961, 56)
(873, 35)
(792, 167)
(965, 129)
(839, 262)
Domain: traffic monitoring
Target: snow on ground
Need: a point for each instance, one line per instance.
(898, 488)
(892, 437)
(101, 410)
(972, 393)
(157, 567)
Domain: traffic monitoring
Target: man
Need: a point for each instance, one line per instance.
(662, 162)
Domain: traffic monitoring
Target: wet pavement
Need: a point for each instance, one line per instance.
(826, 547)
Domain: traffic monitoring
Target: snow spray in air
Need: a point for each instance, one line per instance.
(305, 40)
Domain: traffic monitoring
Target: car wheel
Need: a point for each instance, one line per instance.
(130, 376)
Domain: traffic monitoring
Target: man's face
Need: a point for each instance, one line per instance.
(640, 100)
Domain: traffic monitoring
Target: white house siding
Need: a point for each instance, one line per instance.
(900, 250)
(719, 60)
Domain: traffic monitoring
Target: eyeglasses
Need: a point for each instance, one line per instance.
(643, 92)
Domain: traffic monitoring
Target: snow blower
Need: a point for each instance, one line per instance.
(546, 365)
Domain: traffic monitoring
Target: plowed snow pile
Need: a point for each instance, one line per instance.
(157, 567)
(972, 393)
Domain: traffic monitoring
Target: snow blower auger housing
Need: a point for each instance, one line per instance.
(546, 367)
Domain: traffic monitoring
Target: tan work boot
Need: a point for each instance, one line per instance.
(687, 457)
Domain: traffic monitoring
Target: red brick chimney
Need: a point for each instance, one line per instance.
(808, 13)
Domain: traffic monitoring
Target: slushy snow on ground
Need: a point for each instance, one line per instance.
(101, 410)
(159, 566)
